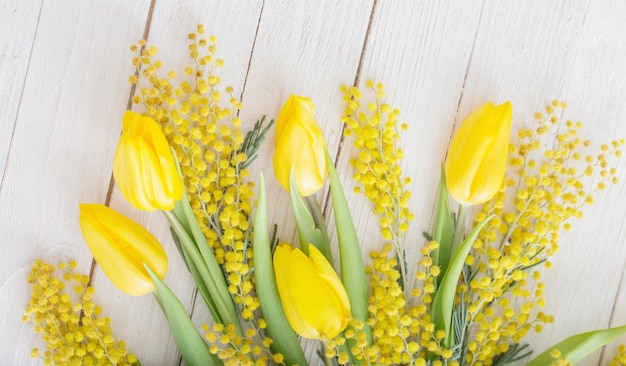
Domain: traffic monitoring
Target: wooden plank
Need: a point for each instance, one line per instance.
(62, 146)
(586, 285)
(438, 62)
(531, 56)
(499, 68)
(140, 320)
(420, 52)
(302, 48)
(618, 316)
(15, 48)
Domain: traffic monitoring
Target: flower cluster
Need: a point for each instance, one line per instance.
(495, 306)
(620, 357)
(208, 143)
(477, 292)
(549, 188)
(73, 330)
(213, 155)
(377, 164)
(236, 349)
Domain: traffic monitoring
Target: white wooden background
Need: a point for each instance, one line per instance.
(63, 89)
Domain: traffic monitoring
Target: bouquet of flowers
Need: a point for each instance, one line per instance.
(476, 293)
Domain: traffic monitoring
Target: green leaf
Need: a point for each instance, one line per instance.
(210, 274)
(224, 301)
(200, 259)
(352, 267)
(252, 141)
(307, 230)
(444, 231)
(190, 343)
(178, 208)
(579, 346)
(284, 338)
(443, 303)
(195, 273)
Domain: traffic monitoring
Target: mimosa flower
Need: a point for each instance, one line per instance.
(144, 168)
(300, 147)
(477, 156)
(121, 247)
(314, 299)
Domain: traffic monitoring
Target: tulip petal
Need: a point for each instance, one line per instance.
(121, 246)
(493, 165)
(126, 170)
(144, 168)
(278, 327)
(340, 298)
(313, 306)
(123, 271)
(173, 187)
(153, 181)
(314, 299)
(300, 146)
(327, 273)
(477, 155)
(282, 263)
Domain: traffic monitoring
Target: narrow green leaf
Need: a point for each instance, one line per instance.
(444, 231)
(195, 273)
(179, 247)
(320, 222)
(352, 267)
(201, 260)
(252, 141)
(195, 254)
(307, 230)
(190, 343)
(210, 276)
(579, 346)
(284, 338)
(224, 301)
(194, 260)
(178, 208)
(443, 303)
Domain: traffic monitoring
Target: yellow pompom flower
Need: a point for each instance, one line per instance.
(144, 167)
(314, 299)
(477, 155)
(300, 146)
(121, 247)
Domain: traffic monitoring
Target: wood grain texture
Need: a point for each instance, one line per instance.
(171, 22)
(15, 50)
(585, 286)
(420, 53)
(61, 148)
(63, 71)
(530, 68)
(301, 50)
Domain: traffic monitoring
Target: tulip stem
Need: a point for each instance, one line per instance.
(226, 313)
(327, 360)
(459, 230)
(320, 224)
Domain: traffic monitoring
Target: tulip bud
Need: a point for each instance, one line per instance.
(300, 146)
(144, 168)
(477, 156)
(314, 299)
(121, 247)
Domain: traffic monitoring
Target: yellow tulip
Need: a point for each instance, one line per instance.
(314, 299)
(300, 146)
(478, 153)
(144, 168)
(121, 247)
